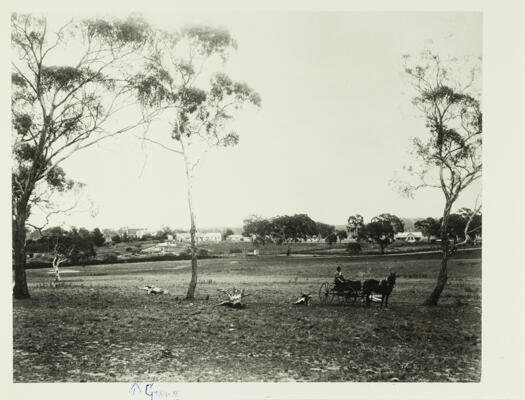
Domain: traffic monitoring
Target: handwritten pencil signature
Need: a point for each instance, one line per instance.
(149, 392)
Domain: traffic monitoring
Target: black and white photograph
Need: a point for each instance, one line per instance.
(248, 196)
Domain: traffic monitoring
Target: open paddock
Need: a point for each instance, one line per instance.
(98, 325)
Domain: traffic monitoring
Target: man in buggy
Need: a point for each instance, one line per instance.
(339, 279)
(347, 286)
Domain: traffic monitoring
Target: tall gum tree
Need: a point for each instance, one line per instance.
(67, 85)
(181, 80)
(448, 157)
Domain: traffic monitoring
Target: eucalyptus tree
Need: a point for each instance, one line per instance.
(428, 226)
(341, 234)
(356, 227)
(72, 246)
(67, 85)
(448, 156)
(381, 231)
(259, 228)
(473, 222)
(182, 79)
(394, 220)
(293, 228)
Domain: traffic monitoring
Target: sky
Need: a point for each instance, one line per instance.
(333, 130)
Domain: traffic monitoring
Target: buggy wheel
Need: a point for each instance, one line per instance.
(325, 293)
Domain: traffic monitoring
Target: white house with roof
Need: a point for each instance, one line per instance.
(199, 237)
(238, 238)
(135, 233)
(410, 237)
(161, 248)
(212, 237)
(183, 237)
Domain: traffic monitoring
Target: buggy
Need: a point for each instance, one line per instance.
(346, 292)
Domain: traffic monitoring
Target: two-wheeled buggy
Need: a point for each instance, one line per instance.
(345, 292)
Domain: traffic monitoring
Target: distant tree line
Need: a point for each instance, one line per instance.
(75, 245)
(288, 229)
(461, 226)
(381, 229)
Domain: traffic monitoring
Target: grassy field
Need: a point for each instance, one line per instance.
(99, 326)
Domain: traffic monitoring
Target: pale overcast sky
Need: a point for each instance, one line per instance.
(334, 126)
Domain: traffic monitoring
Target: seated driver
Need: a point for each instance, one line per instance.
(339, 278)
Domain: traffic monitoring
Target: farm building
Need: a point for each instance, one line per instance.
(108, 234)
(212, 237)
(410, 237)
(199, 237)
(161, 248)
(183, 237)
(238, 238)
(133, 233)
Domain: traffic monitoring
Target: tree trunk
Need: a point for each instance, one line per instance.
(433, 299)
(193, 282)
(56, 264)
(193, 229)
(20, 290)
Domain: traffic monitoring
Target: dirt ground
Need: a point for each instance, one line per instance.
(99, 326)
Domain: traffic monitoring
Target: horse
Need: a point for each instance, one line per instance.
(384, 288)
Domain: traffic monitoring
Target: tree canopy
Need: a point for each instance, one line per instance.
(448, 156)
(381, 231)
(181, 81)
(59, 109)
(428, 226)
(356, 227)
(394, 221)
(286, 228)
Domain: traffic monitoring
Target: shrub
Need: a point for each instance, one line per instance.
(202, 253)
(354, 248)
(235, 250)
(110, 258)
(116, 239)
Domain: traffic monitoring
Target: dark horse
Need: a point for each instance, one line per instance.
(384, 288)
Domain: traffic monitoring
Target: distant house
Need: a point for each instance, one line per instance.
(212, 237)
(410, 237)
(199, 237)
(108, 234)
(182, 237)
(133, 233)
(238, 238)
(162, 248)
(313, 239)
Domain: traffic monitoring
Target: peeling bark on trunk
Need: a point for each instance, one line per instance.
(56, 264)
